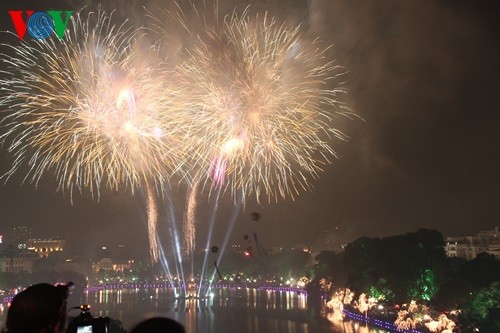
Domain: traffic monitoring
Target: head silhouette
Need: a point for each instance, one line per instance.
(158, 325)
(40, 308)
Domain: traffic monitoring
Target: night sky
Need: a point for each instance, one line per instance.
(424, 79)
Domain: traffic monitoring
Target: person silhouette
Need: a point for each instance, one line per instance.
(158, 325)
(40, 308)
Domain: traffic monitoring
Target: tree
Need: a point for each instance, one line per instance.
(483, 310)
(362, 263)
(286, 264)
(466, 281)
(399, 267)
(331, 266)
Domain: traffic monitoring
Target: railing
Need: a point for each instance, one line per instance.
(377, 322)
(118, 286)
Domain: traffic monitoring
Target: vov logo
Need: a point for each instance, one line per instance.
(40, 25)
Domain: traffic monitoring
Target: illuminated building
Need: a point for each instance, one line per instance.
(468, 247)
(106, 264)
(236, 248)
(45, 247)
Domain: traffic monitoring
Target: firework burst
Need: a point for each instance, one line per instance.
(261, 106)
(88, 110)
(243, 105)
(92, 112)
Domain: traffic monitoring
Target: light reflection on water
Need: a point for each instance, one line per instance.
(242, 310)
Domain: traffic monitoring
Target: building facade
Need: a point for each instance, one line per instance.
(468, 247)
(493, 239)
(45, 247)
(16, 264)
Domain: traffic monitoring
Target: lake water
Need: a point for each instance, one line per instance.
(230, 310)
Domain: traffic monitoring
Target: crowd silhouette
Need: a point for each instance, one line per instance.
(42, 308)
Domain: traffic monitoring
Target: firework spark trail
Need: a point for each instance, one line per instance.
(152, 223)
(189, 227)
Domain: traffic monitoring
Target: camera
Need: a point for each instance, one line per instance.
(86, 323)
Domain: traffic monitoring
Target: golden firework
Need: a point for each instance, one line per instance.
(89, 109)
(261, 105)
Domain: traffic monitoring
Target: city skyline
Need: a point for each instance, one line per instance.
(26, 235)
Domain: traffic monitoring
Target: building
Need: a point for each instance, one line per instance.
(45, 247)
(236, 248)
(16, 264)
(106, 264)
(494, 248)
(468, 247)
(493, 239)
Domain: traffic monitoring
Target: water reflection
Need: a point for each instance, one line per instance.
(243, 310)
(229, 310)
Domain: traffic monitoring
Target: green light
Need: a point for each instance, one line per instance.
(425, 287)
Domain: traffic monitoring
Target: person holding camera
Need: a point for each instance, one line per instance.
(86, 323)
